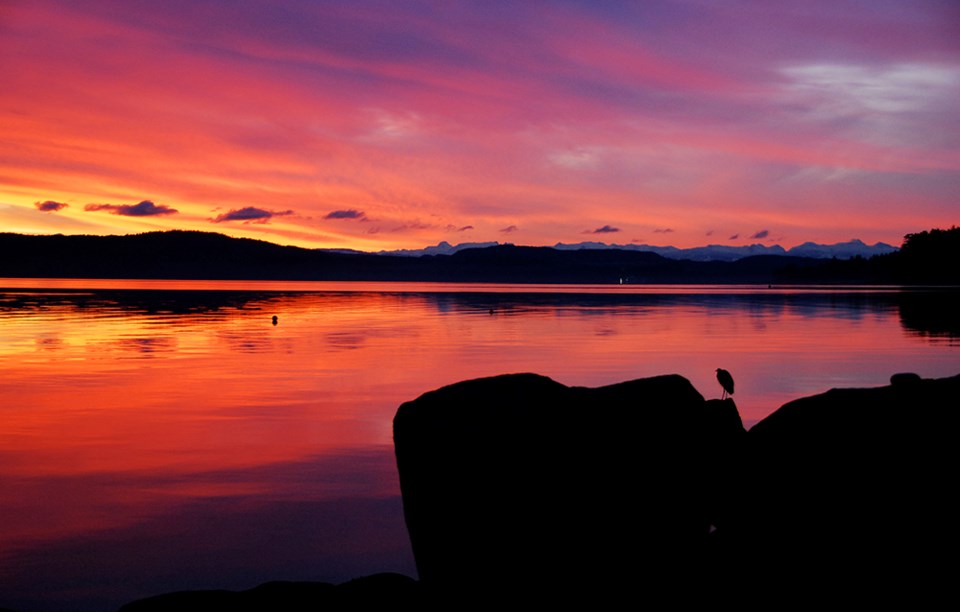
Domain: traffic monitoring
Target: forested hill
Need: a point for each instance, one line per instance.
(928, 257)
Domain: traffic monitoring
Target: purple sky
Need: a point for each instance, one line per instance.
(399, 124)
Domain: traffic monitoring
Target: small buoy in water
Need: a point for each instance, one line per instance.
(275, 319)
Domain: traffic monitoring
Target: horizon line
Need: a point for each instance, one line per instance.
(452, 245)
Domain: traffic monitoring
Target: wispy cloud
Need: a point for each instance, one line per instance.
(576, 159)
(50, 206)
(412, 225)
(145, 208)
(392, 127)
(509, 229)
(760, 235)
(251, 214)
(664, 230)
(853, 88)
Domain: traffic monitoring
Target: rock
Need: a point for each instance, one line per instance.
(852, 492)
(905, 378)
(518, 484)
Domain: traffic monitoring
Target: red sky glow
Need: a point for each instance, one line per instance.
(381, 125)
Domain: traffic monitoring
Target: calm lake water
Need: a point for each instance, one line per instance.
(165, 435)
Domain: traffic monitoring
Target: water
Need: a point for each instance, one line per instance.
(166, 435)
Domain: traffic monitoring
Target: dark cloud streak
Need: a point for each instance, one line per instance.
(346, 214)
(250, 214)
(50, 206)
(606, 229)
(142, 209)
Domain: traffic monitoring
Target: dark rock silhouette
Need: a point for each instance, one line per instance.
(905, 378)
(518, 484)
(852, 492)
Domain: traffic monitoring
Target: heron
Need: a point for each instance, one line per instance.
(726, 381)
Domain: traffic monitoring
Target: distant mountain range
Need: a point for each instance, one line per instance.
(926, 257)
(713, 252)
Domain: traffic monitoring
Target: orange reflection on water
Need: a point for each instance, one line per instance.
(149, 410)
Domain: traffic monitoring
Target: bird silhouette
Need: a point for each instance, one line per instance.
(726, 381)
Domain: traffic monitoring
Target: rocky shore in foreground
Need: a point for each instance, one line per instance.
(518, 488)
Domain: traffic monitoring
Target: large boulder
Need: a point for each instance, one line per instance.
(518, 483)
(851, 492)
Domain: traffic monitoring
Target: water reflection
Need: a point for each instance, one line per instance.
(932, 316)
(160, 440)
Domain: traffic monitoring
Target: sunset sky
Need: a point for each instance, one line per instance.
(398, 124)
